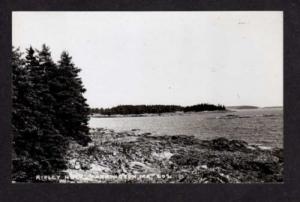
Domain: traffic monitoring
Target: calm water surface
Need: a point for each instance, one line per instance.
(256, 126)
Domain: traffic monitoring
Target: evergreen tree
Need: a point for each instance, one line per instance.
(25, 163)
(72, 110)
(52, 140)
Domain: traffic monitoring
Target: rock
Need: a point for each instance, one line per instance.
(233, 116)
(146, 134)
(182, 140)
(182, 178)
(93, 150)
(223, 144)
(85, 165)
(184, 160)
(77, 165)
(229, 116)
(204, 167)
(264, 167)
(279, 154)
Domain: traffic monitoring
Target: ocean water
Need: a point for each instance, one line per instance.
(256, 126)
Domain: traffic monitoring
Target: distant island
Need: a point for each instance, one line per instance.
(243, 107)
(155, 109)
(277, 107)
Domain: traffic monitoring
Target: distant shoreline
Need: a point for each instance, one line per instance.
(154, 114)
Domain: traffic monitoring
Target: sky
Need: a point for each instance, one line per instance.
(182, 58)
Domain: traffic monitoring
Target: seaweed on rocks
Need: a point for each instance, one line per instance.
(137, 157)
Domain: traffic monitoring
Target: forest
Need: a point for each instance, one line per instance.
(155, 109)
(48, 112)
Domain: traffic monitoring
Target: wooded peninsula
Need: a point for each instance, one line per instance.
(155, 109)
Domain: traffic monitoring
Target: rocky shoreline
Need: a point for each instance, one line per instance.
(137, 157)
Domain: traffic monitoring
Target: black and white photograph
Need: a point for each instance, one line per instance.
(191, 97)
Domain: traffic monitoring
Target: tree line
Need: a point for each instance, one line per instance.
(48, 111)
(155, 109)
